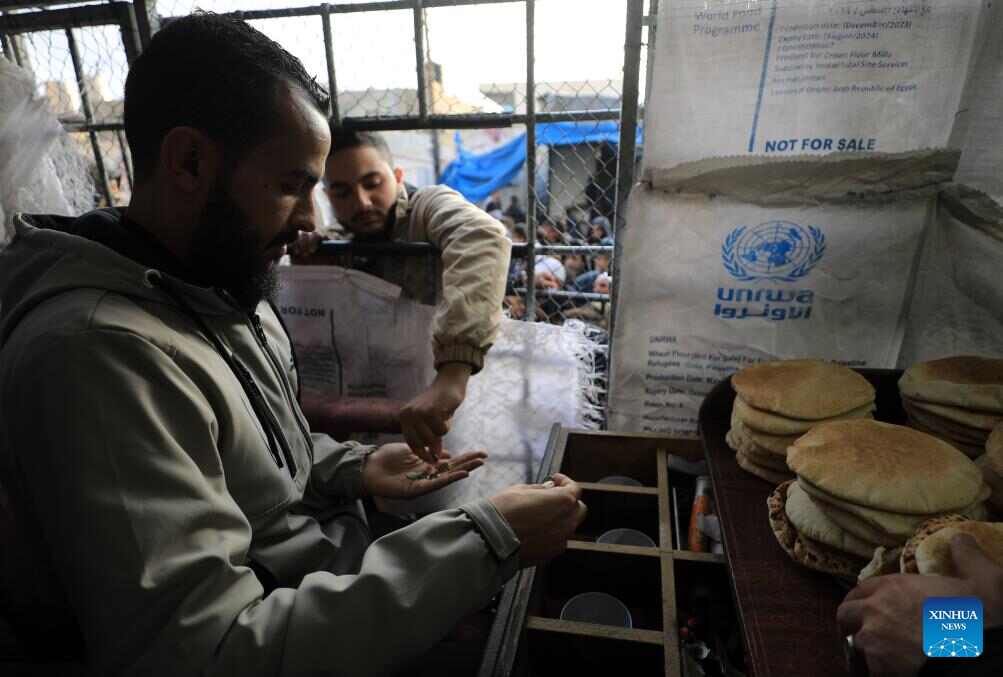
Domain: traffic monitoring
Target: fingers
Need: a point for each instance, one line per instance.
(865, 589)
(427, 486)
(466, 461)
(850, 617)
(565, 483)
(422, 441)
(580, 513)
(306, 244)
(435, 448)
(468, 465)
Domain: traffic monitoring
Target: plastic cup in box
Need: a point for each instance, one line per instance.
(626, 537)
(599, 608)
(620, 479)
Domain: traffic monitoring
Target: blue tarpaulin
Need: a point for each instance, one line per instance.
(477, 176)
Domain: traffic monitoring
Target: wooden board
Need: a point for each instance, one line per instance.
(643, 578)
(788, 612)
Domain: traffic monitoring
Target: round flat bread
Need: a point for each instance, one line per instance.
(772, 443)
(889, 467)
(969, 449)
(756, 454)
(994, 450)
(776, 504)
(761, 421)
(907, 560)
(810, 521)
(964, 381)
(819, 557)
(963, 417)
(858, 527)
(947, 427)
(749, 449)
(771, 476)
(992, 480)
(804, 550)
(803, 389)
(897, 525)
(933, 555)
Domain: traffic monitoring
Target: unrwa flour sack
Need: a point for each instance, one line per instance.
(714, 283)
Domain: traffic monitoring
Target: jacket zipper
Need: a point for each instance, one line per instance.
(259, 333)
(272, 422)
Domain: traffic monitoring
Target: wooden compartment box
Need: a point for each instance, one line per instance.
(654, 583)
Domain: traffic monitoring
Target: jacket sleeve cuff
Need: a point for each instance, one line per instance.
(459, 352)
(341, 475)
(355, 459)
(496, 532)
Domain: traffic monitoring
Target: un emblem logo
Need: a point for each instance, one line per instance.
(781, 251)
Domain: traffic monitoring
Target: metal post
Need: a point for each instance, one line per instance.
(85, 104)
(419, 56)
(126, 160)
(628, 107)
(436, 153)
(128, 27)
(18, 48)
(147, 20)
(650, 62)
(332, 83)
(530, 161)
(625, 165)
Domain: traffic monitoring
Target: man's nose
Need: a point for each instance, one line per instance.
(363, 199)
(305, 216)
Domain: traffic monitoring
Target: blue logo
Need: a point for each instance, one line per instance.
(780, 251)
(952, 627)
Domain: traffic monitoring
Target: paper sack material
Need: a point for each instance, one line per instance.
(355, 335)
(794, 155)
(794, 77)
(715, 284)
(957, 305)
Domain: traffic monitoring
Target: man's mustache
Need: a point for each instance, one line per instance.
(372, 214)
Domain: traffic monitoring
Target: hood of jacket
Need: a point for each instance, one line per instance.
(50, 255)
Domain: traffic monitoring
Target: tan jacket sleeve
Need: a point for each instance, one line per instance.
(116, 449)
(475, 258)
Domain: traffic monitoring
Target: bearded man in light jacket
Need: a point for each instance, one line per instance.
(372, 201)
(175, 514)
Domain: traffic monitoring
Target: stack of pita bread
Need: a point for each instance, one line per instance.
(991, 464)
(958, 399)
(862, 484)
(777, 402)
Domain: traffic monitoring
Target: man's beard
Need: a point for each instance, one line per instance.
(370, 225)
(227, 252)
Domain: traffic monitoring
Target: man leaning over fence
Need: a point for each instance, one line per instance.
(372, 201)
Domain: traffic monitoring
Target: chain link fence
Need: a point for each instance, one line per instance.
(443, 80)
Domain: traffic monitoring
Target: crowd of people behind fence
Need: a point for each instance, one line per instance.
(577, 273)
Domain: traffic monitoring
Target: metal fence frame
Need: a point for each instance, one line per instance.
(138, 20)
(67, 19)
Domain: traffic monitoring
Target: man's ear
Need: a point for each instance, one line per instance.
(399, 174)
(189, 159)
